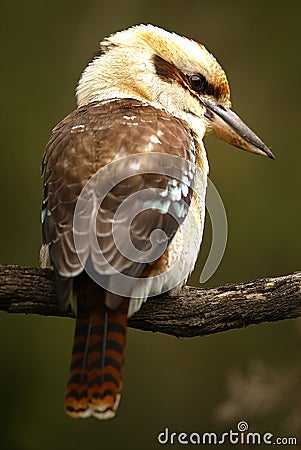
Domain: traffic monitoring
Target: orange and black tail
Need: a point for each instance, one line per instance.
(95, 379)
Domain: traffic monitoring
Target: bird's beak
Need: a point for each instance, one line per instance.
(229, 127)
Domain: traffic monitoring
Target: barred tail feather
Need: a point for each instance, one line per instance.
(95, 379)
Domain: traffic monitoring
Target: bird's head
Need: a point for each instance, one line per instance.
(171, 72)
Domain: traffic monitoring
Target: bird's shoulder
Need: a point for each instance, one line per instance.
(114, 128)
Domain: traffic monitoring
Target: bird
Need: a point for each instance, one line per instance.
(146, 99)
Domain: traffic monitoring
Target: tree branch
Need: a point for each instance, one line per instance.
(192, 312)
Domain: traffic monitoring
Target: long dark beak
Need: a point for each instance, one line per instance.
(229, 127)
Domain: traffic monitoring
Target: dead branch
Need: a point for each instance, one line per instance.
(192, 312)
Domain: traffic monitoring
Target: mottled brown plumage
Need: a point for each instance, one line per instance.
(86, 141)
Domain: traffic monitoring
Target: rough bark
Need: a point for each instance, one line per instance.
(191, 312)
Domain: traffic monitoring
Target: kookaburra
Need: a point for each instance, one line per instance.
(147, 92)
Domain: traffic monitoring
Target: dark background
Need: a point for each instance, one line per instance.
(200, 384)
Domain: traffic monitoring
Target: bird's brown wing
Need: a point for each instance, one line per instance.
(111, 144)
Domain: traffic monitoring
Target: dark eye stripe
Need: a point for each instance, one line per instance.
(169, 73)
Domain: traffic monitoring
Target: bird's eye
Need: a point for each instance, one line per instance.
(198, 83)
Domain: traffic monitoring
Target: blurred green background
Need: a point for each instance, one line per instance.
(200, 384)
